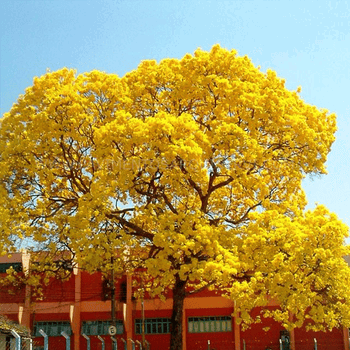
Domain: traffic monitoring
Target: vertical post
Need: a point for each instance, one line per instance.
(244, 344)
(128, 325)
(133, 343)
(208, 344)
(292, 339)
(75, 309)
(346, 339)
(291, 333)
(138, 342)
(148, 345)
(46, 339)
(124, 341)
(18, 339)
(184, 327)
(64, 334)
(102, 342)
(87, 341)
(25, 319)
(281, 346)
(237, 331)
(30, 344)
(113, 293)
(315, 343)
(143, 320)
(115, 344)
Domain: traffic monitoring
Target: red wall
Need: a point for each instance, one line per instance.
(12, 317)
(256, 338)
(59, 291)
(325, 340)
(55, 343)
(91, 286)
(43, 317)
(100, 316)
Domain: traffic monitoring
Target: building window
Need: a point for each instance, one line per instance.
(17, 266)
(100, 327)
(153, 326)
(209, 324)
(52, 329)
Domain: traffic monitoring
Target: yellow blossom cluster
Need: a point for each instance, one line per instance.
(188, 168)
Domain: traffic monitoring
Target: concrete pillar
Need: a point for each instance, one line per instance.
(75, 309)
(184, 329)
(237, 333)
(236, 330)
(346, 338)
(24, 315)
(128, 312)
(292, 339)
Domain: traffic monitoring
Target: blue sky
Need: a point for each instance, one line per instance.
(306, 42)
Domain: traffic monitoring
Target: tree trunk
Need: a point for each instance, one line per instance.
(176, 318)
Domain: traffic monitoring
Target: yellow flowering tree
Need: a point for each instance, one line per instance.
(190, 169)
(298, 263)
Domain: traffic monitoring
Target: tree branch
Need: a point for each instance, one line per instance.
(137, 231)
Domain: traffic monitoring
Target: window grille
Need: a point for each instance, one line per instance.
(100, 327)
(52, 329)
(153, 326)
(209, 324)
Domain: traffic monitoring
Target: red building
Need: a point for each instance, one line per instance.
(80, 309)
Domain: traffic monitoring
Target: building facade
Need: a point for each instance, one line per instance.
(80, 307)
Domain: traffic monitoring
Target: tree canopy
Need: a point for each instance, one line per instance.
(197, 163)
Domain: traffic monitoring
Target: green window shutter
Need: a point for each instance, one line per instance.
(101, 327)
(52, 328)
(153, 326)
(209, 324)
